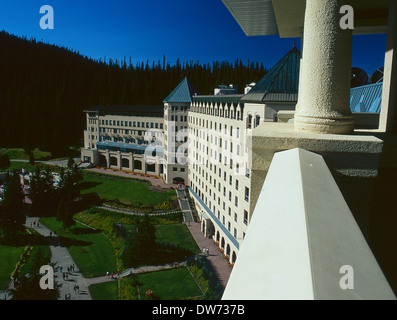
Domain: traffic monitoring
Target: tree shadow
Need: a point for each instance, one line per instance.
(78, 231)
(39, 240)
(68, 242)
(84, 185)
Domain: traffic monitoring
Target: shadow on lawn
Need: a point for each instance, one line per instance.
(88, 185)
(39, 240)
(79, 231)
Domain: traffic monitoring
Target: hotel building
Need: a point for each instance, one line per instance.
(205, 144)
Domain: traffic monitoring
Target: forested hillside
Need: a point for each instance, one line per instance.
(44, 88)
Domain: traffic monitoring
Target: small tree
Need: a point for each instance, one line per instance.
(31, 158)
(4, 161)
(70, 162)
(140, 244)
(12, 215)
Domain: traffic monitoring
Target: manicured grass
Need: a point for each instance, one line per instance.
(98, 256)
(127, 191)
(17, 165)
(46, 252)
(9, 256)
(105, 291)
(170, 284)
(177, 234)
(19, 153)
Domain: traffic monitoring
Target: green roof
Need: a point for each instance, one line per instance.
(280, 83)
(182, 93)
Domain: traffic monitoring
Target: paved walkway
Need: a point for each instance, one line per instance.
(184, 204)
(130, 271)
(215, 257)
(62, 258)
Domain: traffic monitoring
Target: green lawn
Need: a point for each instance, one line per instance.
(19, 153)
(46, 252)
(98, 256)
(170, 284)
(9, 256)
(127, 191)
(105, 291)
(177, 234)
(17, 165)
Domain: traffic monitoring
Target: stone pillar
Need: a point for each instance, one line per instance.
(324, 90)
(107, 155)
(131, 159)
(119, 158)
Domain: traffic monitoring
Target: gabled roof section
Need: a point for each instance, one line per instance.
(182, 93)
(280, 83)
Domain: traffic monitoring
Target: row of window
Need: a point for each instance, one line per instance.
(226, 113)
(217, 213)
(181, 118)
(179, 108)
(133, 124)
(213, 125)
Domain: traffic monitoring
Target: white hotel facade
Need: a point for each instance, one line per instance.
(201, 141)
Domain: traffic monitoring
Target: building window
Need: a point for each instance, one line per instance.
(245, 217)
(247, 191)
(236, 201)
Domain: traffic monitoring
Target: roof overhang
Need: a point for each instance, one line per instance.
(286, 17)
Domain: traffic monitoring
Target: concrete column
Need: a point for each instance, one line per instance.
(119, 160)
(389, 94)
(324, 91)
(107, 155)
(131, 159)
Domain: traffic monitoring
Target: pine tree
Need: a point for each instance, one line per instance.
(12, 214)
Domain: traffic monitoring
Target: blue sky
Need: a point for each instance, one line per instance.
(198, 30)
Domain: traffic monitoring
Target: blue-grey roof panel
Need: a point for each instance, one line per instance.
(182, 93)
(283, 78)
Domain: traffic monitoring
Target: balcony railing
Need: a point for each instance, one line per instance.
(303, 242)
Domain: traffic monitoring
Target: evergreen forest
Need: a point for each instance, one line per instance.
(44, 88)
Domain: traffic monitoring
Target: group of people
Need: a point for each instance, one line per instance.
(111, 276)
(33, 225)
(206, 251)
(69, 269)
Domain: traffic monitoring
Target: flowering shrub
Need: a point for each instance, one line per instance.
(163, 206)
(149, 293)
